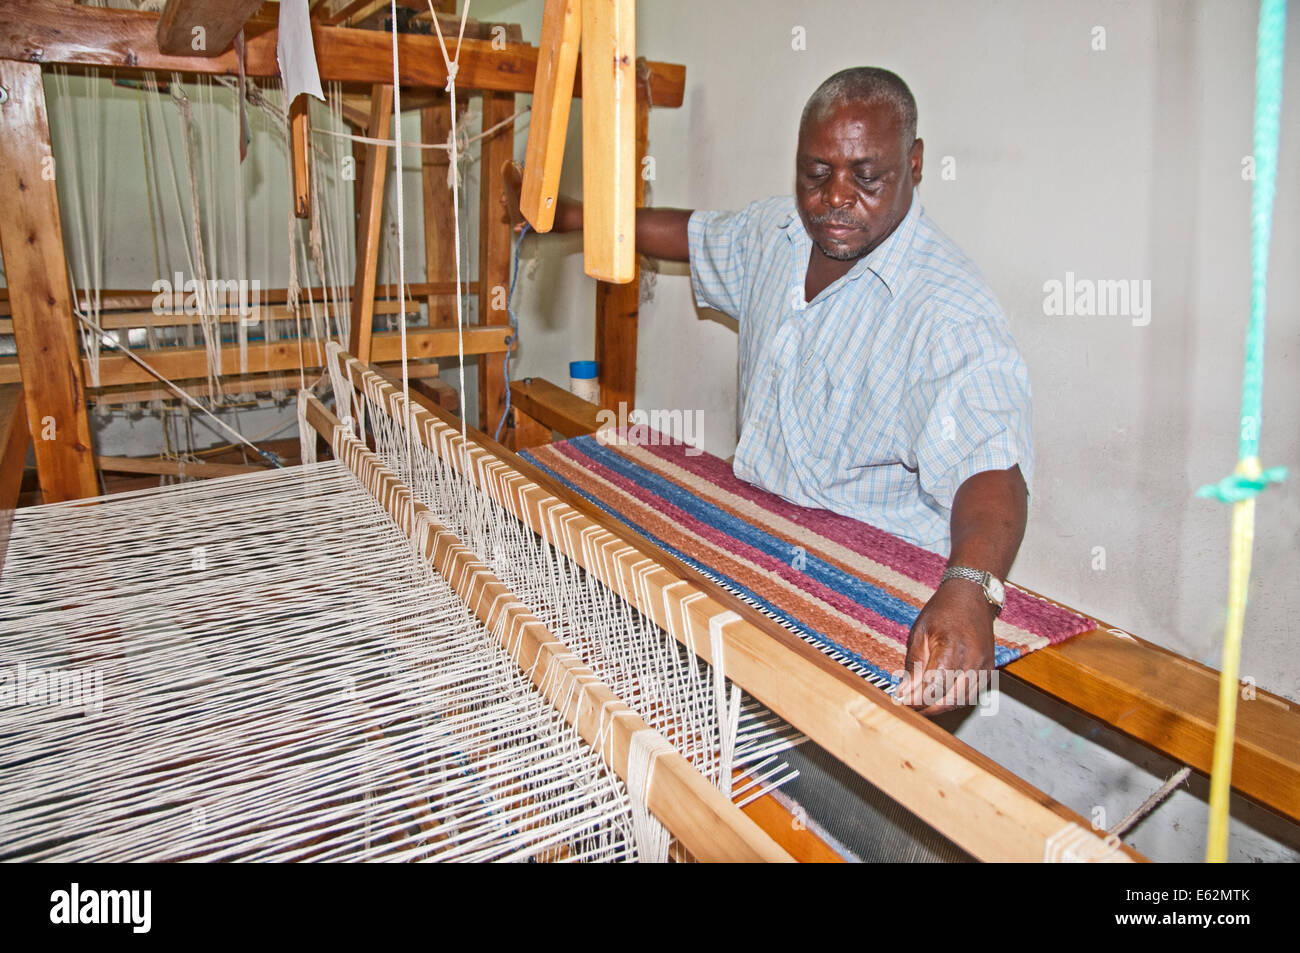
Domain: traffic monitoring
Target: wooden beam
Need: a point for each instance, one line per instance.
(361, 10)
(1171, 704)
(125, 299)
(231, 384)
(618, 307)
(555, 407)
(54, 31)
(31, 240)
(548, 122)
(300, 147)
(494, 249)
(161, 467)
(15, 439)
(609, 139)
(370, 217)
(202, 27)
(176, 363)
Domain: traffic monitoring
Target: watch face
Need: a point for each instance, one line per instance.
(995, 590)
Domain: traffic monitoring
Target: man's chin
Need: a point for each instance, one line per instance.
(843, 252)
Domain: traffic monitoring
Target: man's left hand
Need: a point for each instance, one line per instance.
(950, 643)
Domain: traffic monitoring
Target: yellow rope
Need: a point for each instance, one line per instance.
(1243, 538)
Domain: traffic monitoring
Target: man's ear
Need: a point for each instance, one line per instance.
(918, 155)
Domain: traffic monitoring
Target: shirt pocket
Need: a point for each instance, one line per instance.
(859, 415)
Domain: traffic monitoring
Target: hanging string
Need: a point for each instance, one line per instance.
(462, 145)
(179, 392)
(1249, 478)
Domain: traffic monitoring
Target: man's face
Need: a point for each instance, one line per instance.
(853, 178)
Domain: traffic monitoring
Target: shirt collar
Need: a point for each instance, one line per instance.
(887, 261)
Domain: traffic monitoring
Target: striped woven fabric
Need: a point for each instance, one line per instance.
(849, 589)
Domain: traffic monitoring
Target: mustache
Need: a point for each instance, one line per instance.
(831, 218)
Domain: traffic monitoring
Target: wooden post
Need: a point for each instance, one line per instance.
(14, 441)
(618, 306)
(31, 239)
(370, 218)
(495, 243)
(609, 139)
(300, 149)
(439, 247)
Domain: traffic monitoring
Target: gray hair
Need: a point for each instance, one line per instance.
(863, 84)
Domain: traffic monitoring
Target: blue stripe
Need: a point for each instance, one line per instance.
(859, 590)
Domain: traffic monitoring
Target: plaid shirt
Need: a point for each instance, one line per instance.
(879, 397)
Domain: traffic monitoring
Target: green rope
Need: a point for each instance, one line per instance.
(1268, 109)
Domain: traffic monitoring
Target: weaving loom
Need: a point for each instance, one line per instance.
(320, 709)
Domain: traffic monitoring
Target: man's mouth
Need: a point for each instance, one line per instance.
(840, 231)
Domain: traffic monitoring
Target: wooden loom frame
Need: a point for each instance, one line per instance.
(58, 32)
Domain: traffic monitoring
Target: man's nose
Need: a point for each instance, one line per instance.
(838, 193)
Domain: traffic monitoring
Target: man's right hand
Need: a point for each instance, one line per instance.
(660, 232)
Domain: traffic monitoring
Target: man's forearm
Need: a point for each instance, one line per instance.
(660, 232)
(988, 521)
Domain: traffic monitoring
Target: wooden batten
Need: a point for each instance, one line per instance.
(697, 813)
(618, 307)
(31, 239)
(548, 122)
(609, 139)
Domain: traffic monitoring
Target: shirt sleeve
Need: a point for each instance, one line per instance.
(717, 242)
(972, 400)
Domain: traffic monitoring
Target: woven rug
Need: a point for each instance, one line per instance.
(851, 590)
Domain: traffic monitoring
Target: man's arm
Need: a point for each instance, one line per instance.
(660, 232)
(954, 631)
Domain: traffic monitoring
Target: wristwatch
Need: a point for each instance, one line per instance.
(994, 591)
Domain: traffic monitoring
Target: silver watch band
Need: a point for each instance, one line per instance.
(979, 577)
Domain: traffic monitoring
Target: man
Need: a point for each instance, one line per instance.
(878, 375)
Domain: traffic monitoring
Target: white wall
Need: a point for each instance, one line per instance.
(1122, 163)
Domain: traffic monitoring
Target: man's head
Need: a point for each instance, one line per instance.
(857, 161)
